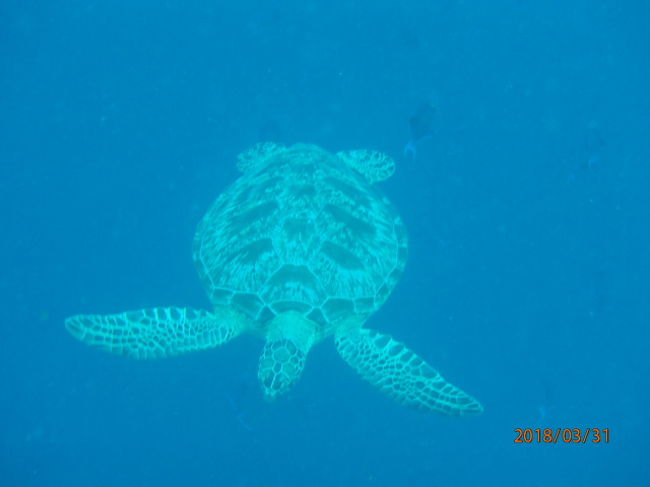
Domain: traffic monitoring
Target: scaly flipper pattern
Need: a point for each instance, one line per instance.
(400, 373)
(157, 332)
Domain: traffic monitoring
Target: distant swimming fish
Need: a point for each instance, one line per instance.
(594, 147)
(271, 130)
(235, 406)
(548, 402)
(595, 144)
(421, 126)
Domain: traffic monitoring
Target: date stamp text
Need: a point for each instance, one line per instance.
(562, 435)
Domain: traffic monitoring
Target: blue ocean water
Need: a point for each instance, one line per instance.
(527, 212)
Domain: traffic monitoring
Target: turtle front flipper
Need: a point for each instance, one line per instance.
(400, 373)
(157, 332)
(289, 338)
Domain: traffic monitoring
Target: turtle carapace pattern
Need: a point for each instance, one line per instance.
(302, 247)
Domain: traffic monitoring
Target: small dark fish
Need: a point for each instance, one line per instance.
(421, 126)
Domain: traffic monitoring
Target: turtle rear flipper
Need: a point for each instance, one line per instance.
(157, 332)
(400, 373)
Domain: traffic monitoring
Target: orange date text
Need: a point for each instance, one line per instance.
(562, 435)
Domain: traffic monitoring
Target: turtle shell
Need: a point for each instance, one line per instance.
(300, 230)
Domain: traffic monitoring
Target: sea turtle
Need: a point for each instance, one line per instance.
(301, 247)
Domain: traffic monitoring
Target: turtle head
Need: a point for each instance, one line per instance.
(289, 338)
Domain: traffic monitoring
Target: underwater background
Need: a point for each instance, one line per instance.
(527, 210)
